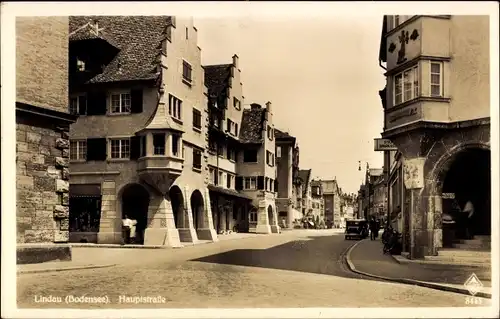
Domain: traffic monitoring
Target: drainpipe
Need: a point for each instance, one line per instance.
(380, 65)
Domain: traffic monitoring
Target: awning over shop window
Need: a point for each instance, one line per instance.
(85, 190)
(228, 192)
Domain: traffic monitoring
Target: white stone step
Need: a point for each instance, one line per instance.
(460, 260)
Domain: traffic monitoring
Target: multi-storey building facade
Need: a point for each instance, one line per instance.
(437, 113)
(138, 146)
(317, 202)
(257, 167)
(42, 127)
(305, 188)
(287, 163)
(230, 206)
(331, 196)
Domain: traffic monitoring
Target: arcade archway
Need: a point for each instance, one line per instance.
(177, 202)
(270, 215)
(197, 209)
(134, 205)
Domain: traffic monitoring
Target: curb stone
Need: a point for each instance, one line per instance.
(34, 271)
(425, 284)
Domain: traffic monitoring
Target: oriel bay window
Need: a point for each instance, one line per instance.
(78, 150)
(175, 145)
(119, 148)
(159, 144)
(406, 85)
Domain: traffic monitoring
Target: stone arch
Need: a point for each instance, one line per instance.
(134, 202)
(465, 171)
(270, 215)
(177, 202)
(198, 210)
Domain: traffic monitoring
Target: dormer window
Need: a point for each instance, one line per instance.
(120, 103)
(80, 65)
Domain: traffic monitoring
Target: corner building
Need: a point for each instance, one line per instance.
(437, 112)
(138, 145)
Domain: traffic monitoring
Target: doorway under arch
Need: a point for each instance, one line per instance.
(469, 179)
(197, 209)
(270, 215)
(177, 202)
(135, 205)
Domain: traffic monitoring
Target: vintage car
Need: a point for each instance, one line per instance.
(356, 228)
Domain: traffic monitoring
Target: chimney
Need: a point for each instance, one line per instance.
(235, 61)
(255, 106)
(268, 107)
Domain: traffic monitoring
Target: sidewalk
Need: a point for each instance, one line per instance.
(366, 257)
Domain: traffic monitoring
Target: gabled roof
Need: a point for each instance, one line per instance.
(137, 37)
(87, 32)
(252, 125)
(315, 183)
(283, 136)
(217, 78)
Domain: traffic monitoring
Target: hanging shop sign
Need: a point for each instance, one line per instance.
(384, 144)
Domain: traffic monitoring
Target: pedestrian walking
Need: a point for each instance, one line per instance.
(133, 231)
(468, 213)
(373, 226)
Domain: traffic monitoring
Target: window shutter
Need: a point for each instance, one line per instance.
(82, 104)
(135, 147)
(275, 185)
(260, 182)
(96, 104)
(236, 129)
(228, 128)
(239, 183)
(136, 101)
(96, 149)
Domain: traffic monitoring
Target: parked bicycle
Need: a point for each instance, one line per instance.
(393, 243)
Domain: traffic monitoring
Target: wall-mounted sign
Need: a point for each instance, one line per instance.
(403, 116)
(448, 195)
(383, 144)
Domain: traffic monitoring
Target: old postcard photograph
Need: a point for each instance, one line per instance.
(250, 159)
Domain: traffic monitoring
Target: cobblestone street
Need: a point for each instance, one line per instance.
(293, 269)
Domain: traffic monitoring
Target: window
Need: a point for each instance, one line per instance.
(221, 179)
(175, 145)
(436, 79)
(212, 145)
(78, 104)
(270, 133)
(266, 187)
(253, 216)
(269, 158)
(215, 121)
(77, 150)
(250, 183)
(232, 127)
(197, 159)
(220, 150)
(250, 156)
(236, 103)
(399, 19)
(278, 151)
(196, 120)
(231, 154)
(174, 107)
(211, 173)
(120, 103)
(230, 181)
(406, 85)
(80, 65)
(120, 148)
(186, 72)
(159, 144)
(271, 185)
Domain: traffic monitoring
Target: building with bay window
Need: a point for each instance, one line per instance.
(437, 112)
(137, 148)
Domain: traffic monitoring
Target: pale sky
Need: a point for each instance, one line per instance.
(322, 78)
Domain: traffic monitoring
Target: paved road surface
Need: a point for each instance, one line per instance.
(293, 269)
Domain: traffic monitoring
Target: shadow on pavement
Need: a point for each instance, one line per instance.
(318, 255)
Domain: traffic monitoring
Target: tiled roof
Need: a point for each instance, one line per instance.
(137, 37)
(252, 125)
(216, 78)
(280, 135)
(86, 32)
